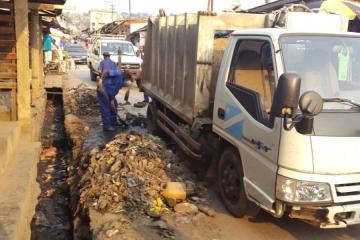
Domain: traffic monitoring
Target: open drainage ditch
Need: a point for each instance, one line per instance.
(60, 212)
(53, 215)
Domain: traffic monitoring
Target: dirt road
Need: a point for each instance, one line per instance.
(223, 225)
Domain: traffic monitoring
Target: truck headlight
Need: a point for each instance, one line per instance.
(291, 190)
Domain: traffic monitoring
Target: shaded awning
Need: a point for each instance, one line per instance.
(49, 12)
(347, 8)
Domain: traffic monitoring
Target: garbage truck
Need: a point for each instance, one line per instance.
(273, 108)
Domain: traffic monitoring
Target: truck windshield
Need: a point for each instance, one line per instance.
(113, 47)
(326, 64)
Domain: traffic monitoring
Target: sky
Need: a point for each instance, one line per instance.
(153, 6)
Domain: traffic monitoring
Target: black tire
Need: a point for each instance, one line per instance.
(151, 118)
(231, 185)
(93, 76)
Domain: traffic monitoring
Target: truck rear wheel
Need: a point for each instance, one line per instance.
(231, 185)
(151, 118)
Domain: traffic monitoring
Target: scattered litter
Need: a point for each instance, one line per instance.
(46, 177)
(183, 219)
(48, 153)
(159, 224)
(112, 232)
(197, 199)
(158, 209)
(50, 192)
(186, 208)
(136, 120)
(207, 210)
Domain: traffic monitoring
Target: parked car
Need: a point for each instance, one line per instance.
(77, 52)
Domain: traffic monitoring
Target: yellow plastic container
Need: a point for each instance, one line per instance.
(175, 191)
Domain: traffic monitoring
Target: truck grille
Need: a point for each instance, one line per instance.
(350, 189)
(130, 66)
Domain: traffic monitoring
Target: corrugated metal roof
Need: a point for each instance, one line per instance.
(279, 4)
(117, 27)
(61, 2)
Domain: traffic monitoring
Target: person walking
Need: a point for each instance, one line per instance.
(135, 75)
(47, 43)
(109, 84)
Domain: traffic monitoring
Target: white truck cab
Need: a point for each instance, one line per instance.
(112, 44)
(311, 169)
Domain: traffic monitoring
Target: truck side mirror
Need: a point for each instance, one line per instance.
(311, 104)
(286, 96)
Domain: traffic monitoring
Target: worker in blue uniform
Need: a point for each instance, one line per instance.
(109, 84)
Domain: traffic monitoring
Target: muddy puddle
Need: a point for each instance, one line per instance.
(52, 219)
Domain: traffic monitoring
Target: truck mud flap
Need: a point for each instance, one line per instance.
(177, 134)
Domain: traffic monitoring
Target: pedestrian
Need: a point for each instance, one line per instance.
(62, 43)
(47, 44)
(56, 52)
(135, 75)
(109, 84)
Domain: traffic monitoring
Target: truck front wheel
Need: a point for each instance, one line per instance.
(151, 118)
(231, 185)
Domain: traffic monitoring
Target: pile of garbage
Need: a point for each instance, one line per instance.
(136, 174)
(83, 101)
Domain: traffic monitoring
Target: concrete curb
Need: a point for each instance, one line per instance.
(19, 191)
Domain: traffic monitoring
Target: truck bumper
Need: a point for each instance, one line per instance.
(342, 216)
(328, 217)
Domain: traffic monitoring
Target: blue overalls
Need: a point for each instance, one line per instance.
(112, 83)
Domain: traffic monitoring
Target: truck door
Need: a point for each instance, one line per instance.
(242, 112)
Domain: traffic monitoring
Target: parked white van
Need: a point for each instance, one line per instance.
(117, 47)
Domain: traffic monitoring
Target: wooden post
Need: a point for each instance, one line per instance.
(35, 55)
(23, 68)
(41, 64)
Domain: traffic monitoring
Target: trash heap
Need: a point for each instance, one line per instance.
(83, 101)
(131, 174)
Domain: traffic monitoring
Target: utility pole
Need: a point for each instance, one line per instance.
(112, 7)
(210, 5)
(129, 9)
(112, 11)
